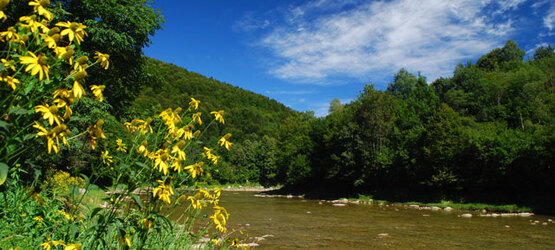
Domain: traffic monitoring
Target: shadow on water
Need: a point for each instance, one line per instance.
(538, 203)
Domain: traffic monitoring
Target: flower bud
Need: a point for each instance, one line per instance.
(80, 75)
(82, 60)
(4, 3)
(53, 31)
(69, 53)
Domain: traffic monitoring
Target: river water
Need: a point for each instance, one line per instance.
(300, 223)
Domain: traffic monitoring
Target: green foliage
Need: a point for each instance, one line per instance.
(120, 28)
(486, 133)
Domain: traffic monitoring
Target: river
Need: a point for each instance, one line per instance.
(302, 223)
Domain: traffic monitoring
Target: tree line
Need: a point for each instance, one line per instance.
(486, 133)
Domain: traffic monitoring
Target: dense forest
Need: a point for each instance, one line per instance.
(485, 134)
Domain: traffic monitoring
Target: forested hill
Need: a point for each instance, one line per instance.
(252, 119)
(246, 114)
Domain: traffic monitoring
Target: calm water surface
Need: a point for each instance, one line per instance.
(299, 223)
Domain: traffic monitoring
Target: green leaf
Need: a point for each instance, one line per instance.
(17, 110)
(3, 172)
(137, 200)
(28, 137)
(95, 211)
(140, 164)
(4, 125)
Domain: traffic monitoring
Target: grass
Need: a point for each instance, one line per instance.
(511, 208)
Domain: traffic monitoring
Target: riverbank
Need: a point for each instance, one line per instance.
(369, 199)
(249, 187)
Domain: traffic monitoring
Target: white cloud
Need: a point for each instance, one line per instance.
(506, 5)
(250, 22)
(549, 19)
(373, 40)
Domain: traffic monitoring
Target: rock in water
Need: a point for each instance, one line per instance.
(382, 235)
(466, 215)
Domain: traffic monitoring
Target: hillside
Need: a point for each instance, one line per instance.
(252, 119)
(246, 113)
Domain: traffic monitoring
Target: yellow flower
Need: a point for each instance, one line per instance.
(177, 165)
(51, 40)
(223, 142)
(171, 118)
(144, 126)
(73, 246)
(195, 169)
(97, 91)
(215, 159)
(142, 148)
(196, 118)
(65, 53)
(12, 82)
(96, 131)
(39, 8)
(103, 59)
(10, 35)
(64, 94)
(68, 216)
(36, 64)
(3, 16)
(8, 64)
(49, 135)
(106, 159)
(161, 158)
(220, 218)
(31, 22)
(186, 132)
(38, 219)
(219, 116)
(49, 113)
(81, 63)
(178, 149)
(147, 223)
(121, 146)
(57, 243)
(73, 30)
(124, 239)
(208, 154)
(194, 103)
(78, 90)
(46, 245)
(196, 201)
(164, 191)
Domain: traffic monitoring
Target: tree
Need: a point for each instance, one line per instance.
(543, 52)
(120, 28)
(494, 59)
(335, 105)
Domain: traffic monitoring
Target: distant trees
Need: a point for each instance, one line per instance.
(487, 131)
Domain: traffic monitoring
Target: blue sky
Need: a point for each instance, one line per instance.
(305, 53)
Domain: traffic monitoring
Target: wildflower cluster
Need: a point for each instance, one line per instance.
(46, 58)
(61, 181)
(169, 153)
(44, 74)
